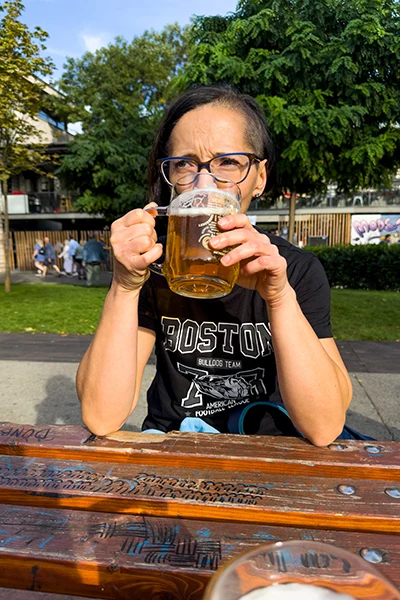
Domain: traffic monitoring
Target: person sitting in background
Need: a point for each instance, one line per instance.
(93, 256)
(38, 257)
(49, 257)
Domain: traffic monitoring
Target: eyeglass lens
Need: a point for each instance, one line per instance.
(233, 167)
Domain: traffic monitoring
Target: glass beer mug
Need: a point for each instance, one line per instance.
(191, 267)
(300, 570)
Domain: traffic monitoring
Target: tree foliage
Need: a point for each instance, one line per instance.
(20, 98)
(118, 94)
(326, 73)
(20, 91)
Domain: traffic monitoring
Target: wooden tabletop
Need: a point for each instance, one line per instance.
(153, 516)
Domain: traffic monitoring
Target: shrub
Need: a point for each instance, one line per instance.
(367, 267)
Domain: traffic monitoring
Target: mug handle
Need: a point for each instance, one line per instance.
(162, 212)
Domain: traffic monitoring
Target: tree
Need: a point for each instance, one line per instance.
(20, 98)
(326, 74)
(118, 93)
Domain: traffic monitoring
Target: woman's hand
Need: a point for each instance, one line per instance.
(262, 268)
(134, 244)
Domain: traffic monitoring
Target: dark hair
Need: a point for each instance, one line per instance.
(257, 133)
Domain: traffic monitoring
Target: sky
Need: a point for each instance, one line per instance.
(75, 26)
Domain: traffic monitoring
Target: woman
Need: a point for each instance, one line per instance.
(272, 333)
(38, 257)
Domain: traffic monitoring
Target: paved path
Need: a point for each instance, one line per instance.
(30, 277)
(359, 357)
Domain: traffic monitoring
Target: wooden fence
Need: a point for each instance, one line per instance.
(336, 226)
(24, 242)
(11, 252)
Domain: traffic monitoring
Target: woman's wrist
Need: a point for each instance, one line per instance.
(285, 298)
(120, 290)
(129, 283)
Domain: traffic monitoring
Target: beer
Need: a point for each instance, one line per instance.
(191, 267)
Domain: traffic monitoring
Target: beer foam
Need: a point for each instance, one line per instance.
(295, 591)
(206, 211)
(207, 190)
(218, 202)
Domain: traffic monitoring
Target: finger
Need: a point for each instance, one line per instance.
(143, 261)
(272, 264)
(124, 249)
(234, 221)
(138, 215)
(248, 250)
(151, 208)
(140, 230)
(140, 245)
(237, 236)
(122, 236)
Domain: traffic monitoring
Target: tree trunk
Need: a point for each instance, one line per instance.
(6, 238)
(292, 212)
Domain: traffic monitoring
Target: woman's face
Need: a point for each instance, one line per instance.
(210, 130)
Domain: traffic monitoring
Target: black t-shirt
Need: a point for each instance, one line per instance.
(216, 355)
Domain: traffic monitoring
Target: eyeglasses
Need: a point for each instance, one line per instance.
(233, 167)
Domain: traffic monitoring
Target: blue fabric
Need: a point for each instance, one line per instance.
(196, 424)
(93, 252)
(190, 424)
(73, 244)
(49, 251)
(39, 257)
(78, 252)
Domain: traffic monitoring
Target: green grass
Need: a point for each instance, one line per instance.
(51, 308)
(365, 315)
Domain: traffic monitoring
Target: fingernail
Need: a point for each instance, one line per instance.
(215, 242)
(224, 221)
(226, 259)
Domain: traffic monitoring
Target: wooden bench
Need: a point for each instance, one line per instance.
(152, 517)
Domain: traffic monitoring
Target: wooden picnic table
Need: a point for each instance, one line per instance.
(153, 516)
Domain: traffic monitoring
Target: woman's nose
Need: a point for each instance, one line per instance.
(204, 179)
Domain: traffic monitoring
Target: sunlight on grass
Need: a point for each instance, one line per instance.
(51, 308)
(365, 315)
(69, 309)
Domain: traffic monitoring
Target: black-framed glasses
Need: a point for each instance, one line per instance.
(234, 166)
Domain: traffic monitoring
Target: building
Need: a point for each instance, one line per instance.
(42, 203)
